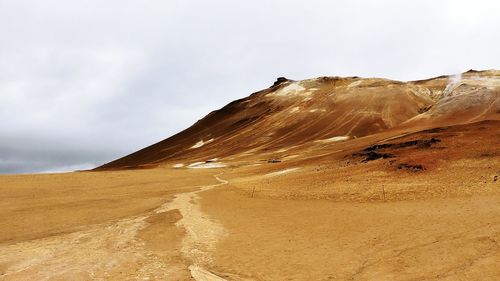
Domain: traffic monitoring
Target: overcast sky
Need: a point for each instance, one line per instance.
(85, 82)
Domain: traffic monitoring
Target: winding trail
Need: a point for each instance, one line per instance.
(99, 251)
(202, 233)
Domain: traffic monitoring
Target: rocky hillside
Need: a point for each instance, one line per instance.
(314, 112)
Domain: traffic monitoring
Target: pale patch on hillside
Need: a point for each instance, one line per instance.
(335, 139)
(202, 143)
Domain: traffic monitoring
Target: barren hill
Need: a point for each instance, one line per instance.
(311, 114)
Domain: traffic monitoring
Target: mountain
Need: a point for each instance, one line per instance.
(322, 115)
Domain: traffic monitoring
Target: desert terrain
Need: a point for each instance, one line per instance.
(332, 178)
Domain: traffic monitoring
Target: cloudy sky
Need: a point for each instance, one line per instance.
(85, 82)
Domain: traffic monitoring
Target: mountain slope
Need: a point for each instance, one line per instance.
(325, 110)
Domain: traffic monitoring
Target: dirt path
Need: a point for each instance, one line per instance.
(115, 251)
(202, 233)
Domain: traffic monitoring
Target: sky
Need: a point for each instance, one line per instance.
(85, 82)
